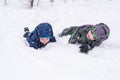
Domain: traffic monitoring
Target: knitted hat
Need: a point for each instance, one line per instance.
(101, 31)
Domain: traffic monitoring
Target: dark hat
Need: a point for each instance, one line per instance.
(101, 31)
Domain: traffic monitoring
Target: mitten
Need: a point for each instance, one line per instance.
(84, 48)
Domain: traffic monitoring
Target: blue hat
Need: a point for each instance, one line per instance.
(44, 30)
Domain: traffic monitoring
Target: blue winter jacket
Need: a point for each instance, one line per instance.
(33, 38)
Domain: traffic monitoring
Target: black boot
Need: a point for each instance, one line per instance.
(26, 29)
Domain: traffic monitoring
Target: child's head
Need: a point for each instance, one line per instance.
(99, 32)
(45, 32)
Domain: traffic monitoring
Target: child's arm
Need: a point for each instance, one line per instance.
(68, 31)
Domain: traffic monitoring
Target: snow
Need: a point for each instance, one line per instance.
(60, 60)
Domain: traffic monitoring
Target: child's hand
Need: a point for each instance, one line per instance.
(84, 48)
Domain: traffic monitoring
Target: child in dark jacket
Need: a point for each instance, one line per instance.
(87, 35)
(40, 36)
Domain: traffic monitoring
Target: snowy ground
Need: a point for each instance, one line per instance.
(60, 60)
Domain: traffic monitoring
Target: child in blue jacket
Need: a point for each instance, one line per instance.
(40, 36)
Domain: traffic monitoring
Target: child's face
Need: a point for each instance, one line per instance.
(44, 40)
(90, 35)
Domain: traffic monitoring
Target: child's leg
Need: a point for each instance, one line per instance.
(26, 34)
(26, 30)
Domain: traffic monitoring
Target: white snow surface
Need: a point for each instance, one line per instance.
(60, 60)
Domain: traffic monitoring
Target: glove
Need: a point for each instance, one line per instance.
(84, 48)
(40, 45)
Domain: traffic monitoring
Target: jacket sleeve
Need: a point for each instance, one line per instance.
(85, 28)
(68, 31)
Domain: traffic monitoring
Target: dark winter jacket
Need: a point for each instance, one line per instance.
(78, 34)
(34, 36)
